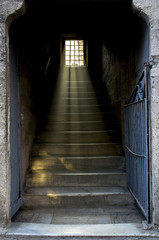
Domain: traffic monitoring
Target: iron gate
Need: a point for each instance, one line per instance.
(136, 142)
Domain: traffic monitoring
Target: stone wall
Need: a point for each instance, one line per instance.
(149, 9)
(32, 57)
(122, 62)
(9, 10)
(29, 118)
(119, 82)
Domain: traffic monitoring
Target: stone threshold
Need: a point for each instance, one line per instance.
(73, 231)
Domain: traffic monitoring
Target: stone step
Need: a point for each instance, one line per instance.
(66, 108)
(78, 136)
(105, 215)
(76, 197)
(84, 100)
(78, 163)
(76, 93)
(79, 126)
(77, 149)
(85, 83)
(52, 178)
(38, 231)
(96, 116)
(87, 88)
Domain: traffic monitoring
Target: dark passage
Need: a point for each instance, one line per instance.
(73, 118)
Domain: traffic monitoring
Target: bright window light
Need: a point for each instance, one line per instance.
(74, 53)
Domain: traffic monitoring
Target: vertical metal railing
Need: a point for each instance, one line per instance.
(136, 144)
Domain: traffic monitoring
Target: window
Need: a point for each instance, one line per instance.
(74, 53)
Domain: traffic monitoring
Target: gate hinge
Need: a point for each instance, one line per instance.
(148, 64)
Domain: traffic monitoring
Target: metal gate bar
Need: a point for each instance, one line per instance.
(136, 146)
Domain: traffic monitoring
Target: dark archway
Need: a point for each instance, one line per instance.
(114, 54)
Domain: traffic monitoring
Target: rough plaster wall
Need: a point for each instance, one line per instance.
(3, 130)
(6, 8)
(120, 66)
(29, 119)
(151, 9)
(118, 74)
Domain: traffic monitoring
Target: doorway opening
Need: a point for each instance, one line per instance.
(77, 110)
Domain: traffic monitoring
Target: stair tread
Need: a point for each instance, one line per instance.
(78, 117)
(81, 113)
(84, 231)
(76, 191)
(74, 172)
(80, 131)
(81, 121)
(78, 149)
(86, 98)
(78, 144)
(111, 214)
(63, 126)
(79, 157)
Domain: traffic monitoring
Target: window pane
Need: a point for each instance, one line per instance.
(72, 48)
(67, 48)
(67, 53)
(81, 48)
(81, 63)
(80, 53)
(67, 57)
(67, 63)
(80, 42)
(72, 58)
(67, 42)
(72, 43)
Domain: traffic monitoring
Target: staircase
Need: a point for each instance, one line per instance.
(77, 161)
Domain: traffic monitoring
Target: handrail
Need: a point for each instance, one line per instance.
(47, 65)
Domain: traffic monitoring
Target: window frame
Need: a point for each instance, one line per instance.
(85, 50)
(75, 50)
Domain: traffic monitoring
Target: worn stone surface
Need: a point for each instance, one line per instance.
(28, 118)
(6, 8)
(115, 74)
(106, 215)
(3, 129)
(83, 231)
